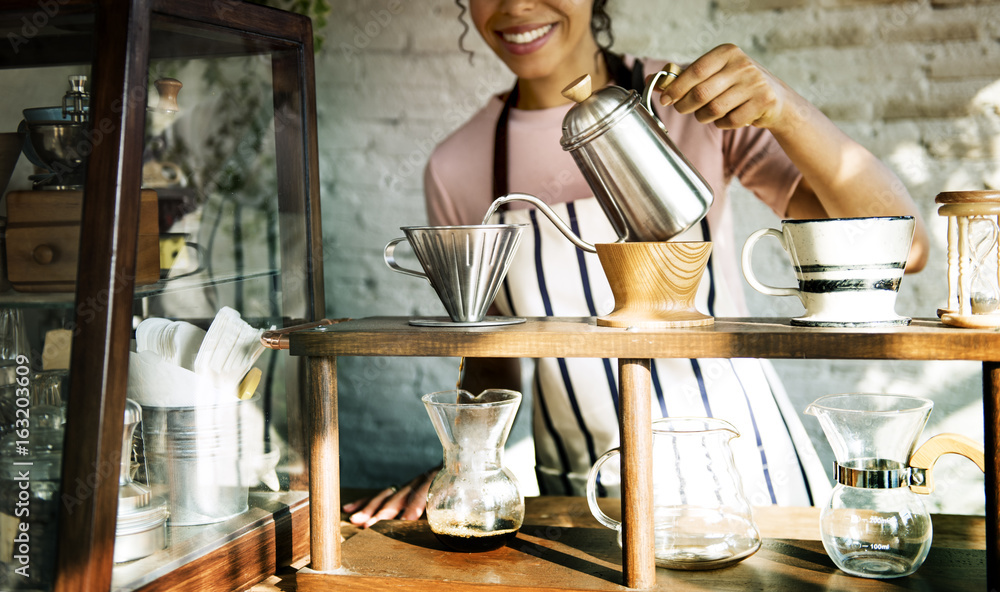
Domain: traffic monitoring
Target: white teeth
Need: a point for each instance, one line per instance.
(527, 37)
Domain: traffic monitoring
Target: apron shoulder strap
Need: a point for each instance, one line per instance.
(500, 187)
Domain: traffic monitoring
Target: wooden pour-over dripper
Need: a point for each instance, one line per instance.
(654, 283)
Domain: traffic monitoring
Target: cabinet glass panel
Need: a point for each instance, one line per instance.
(217, 159)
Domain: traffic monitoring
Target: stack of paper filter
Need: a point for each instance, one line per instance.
(204, 439)
(177, 364)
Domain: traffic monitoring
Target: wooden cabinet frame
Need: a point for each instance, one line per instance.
(121, 50)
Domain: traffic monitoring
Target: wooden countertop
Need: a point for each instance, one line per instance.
(562, 547)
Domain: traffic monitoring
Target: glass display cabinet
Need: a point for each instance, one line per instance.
(159, 161)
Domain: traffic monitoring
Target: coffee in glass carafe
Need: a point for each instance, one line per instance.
(474, 503)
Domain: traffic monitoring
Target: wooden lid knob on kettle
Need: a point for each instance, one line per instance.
(579, 90)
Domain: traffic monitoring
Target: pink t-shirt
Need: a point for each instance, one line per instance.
(458, 180)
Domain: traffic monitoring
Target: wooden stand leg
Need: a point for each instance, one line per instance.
(991, 412)
(638, 561)
(324, 466)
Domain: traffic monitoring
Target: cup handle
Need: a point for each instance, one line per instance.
(390, 260)
(747, 264)
(592, 492)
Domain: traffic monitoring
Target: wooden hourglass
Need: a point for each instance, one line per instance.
(973, 258)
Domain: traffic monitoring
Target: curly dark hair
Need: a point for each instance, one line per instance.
(600, 26)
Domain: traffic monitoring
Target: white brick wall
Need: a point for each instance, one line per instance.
(916, 82)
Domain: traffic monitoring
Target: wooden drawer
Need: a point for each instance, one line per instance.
(43, 240)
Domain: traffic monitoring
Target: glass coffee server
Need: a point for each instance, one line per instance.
(158, 165)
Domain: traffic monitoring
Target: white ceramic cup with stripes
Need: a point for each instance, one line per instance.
(848, 269)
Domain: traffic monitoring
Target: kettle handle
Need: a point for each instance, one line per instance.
(390, 260)
(930, 451)
(656, 84)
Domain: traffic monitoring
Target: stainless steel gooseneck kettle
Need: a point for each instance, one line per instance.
(648, 190)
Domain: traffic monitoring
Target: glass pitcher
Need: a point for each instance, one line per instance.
(875, 525)
(474, 503)
(701, 518)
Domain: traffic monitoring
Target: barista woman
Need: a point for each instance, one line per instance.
(732, 119)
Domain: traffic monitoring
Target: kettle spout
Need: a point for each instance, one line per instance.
(545, 209)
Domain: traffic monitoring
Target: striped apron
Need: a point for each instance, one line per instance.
(576, 399)
(575, 415)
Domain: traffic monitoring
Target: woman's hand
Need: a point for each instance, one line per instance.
(729, 89)
(840, 178)
(403, 503)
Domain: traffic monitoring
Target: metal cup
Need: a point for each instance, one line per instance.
(196, 458)
(464, 264)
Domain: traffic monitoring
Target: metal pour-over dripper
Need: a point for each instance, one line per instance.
(464, 264)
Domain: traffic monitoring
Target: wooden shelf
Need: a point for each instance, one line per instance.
(924, 339)
(781, 565)
(561, 547)
(67, 37)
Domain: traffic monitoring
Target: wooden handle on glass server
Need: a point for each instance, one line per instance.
(931, 450)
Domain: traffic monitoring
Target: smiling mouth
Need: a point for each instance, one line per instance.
(526, 36)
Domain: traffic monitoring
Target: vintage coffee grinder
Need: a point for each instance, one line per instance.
(57, 139)
(43, 225)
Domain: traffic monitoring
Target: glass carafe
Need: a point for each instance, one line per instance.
(876, 526)
(474, 503)
(701, 517)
